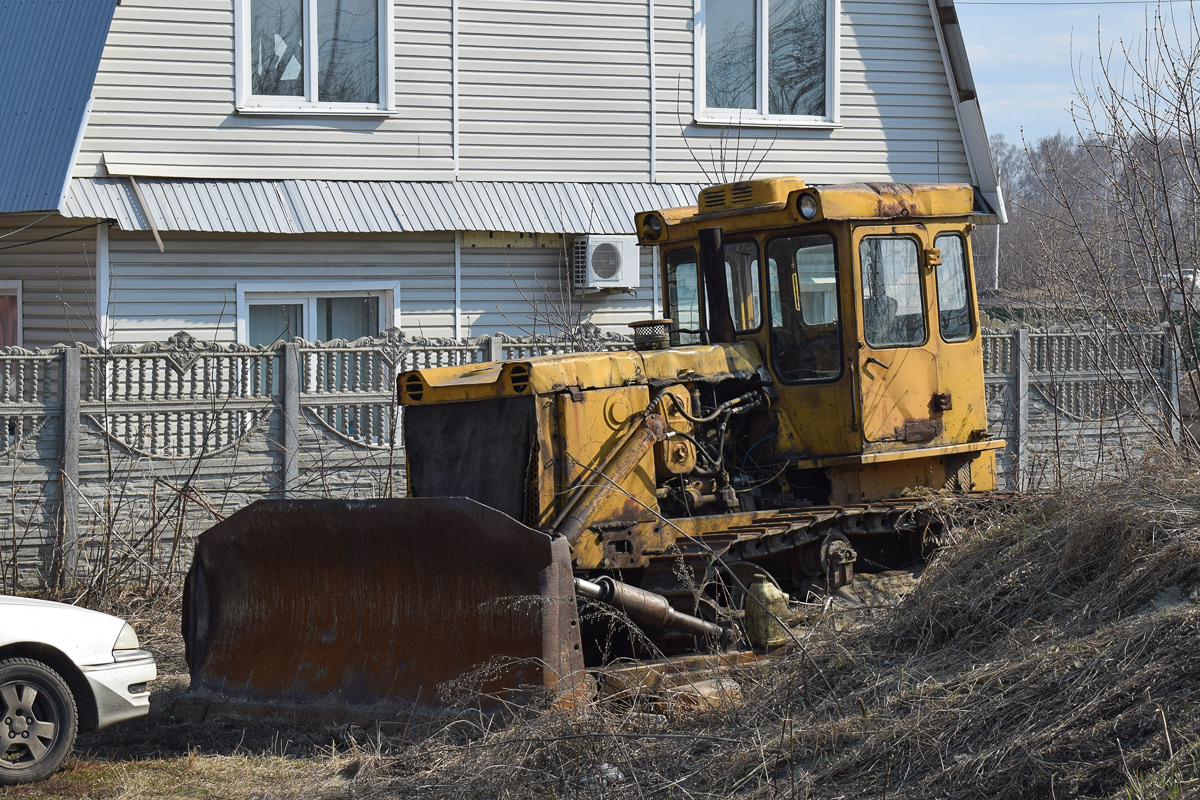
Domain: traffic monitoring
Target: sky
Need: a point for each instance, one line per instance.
(1023, 55)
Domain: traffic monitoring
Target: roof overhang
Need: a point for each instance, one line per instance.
(984, 174)
(311, 206)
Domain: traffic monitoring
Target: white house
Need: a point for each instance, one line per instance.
(252, 169)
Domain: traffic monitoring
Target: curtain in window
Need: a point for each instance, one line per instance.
(8, 320)
(275, 322)
(347, 318)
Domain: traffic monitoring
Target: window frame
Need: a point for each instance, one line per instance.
(307, 294)
(247, 103)
(760, 117)
(11, 288)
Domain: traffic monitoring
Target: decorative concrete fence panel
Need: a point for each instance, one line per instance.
(112, 461)
(1074, 405)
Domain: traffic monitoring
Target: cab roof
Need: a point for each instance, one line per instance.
(774, 202)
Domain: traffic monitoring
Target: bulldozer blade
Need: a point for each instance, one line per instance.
(362, 611)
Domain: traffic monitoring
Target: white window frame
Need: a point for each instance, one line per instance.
(10, 288)
(702, 115)
(307, 294)
(248, 103)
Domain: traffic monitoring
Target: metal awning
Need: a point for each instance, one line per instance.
(317, 206)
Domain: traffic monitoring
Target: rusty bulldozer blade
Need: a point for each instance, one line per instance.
(343, 610)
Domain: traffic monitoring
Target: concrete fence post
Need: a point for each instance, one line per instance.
(289, 386)
(1021, 366)
(495, 348)
(1171, 379)
(65, 572)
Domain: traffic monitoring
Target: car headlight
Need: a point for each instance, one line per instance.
(127, 639)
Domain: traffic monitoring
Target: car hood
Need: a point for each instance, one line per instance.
(83, 635)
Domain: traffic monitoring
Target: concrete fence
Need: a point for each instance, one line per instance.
(112, 461)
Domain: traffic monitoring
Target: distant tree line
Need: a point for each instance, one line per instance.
(1105, 220)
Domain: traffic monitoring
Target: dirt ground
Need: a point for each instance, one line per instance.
(1048, 651)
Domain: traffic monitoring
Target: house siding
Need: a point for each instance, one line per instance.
(58, 277)
(192, 286)
(526, 291)
(552, 91)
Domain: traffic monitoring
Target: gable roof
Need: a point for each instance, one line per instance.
(49, 53)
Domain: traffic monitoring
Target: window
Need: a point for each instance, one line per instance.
(10, 314)
(771, 62)
(322, 313)
(683, 294)
(893, 303)
(741, 278)
(806, 333)
(954, 307)
(329, 56)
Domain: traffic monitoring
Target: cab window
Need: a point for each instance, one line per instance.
(806, 333)
(741, 277)
(893, 303)
(683, 294)
(954, 306)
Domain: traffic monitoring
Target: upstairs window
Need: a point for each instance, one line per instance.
(771, 62)
(331, 56)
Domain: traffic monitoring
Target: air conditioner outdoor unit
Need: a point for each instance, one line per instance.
(605, 262)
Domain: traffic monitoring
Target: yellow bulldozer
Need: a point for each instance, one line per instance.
(820, 372)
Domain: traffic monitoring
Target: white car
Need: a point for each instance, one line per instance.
(63, 669)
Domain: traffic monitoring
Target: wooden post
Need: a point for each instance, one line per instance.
(65, 574)
(290, 402)
(1020, 405)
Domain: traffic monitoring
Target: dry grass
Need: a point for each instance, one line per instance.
(1049, 652)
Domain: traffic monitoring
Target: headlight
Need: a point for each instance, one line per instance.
(652, 227)
(807, 207)
(127, 639)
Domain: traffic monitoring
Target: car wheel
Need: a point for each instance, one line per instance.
(38, 722)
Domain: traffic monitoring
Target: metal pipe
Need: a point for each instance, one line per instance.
(650, 609)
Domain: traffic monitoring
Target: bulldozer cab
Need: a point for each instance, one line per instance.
(861, 298)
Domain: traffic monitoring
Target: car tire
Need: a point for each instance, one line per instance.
(38, 721)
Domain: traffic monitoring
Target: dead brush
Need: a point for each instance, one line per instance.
(1048, 651)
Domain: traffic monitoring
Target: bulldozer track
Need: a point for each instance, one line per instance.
(684, 571)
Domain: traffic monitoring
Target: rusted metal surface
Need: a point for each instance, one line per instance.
(363, 608)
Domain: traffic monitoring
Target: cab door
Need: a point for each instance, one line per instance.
(897, 362)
